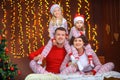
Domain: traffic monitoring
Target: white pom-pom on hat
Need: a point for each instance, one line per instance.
(78, 17)
(53, 7)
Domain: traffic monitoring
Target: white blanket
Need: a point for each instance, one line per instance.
(72, 76)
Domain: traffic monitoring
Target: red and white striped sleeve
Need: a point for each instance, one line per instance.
(47, 48)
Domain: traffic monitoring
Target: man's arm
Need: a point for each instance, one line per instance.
(36, 53)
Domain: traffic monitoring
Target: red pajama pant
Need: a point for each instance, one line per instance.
(104, 68)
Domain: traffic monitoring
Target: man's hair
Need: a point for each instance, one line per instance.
(60, 28)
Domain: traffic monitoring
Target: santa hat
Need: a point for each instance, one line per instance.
(78, 17)
(53, 7)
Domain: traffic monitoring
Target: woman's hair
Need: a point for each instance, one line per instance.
(83, 37)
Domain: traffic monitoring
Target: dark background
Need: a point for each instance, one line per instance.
(102, 12)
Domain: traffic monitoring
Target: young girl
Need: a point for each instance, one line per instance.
(77, 30)
(57, 21)
(83, 65)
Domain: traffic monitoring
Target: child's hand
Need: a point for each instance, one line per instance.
(38, 57)
(54, 42)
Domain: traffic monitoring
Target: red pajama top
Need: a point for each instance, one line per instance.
(53, 60)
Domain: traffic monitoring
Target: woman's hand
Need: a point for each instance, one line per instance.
(74, 64)
(69, 63)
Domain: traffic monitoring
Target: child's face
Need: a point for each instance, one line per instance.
(57, 12)
(79, 24)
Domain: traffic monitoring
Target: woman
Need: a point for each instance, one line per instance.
(85, 63)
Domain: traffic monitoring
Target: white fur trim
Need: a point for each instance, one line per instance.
(53, 7)
(78, 18)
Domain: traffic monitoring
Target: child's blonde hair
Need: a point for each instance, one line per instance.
(54, 21)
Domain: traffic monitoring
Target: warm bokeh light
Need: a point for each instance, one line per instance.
(30, 19)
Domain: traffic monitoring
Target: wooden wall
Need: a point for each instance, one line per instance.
(106, 14)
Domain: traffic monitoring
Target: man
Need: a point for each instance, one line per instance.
(55, 57)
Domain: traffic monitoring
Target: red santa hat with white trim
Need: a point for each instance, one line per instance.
(53, 7)
(78, 17)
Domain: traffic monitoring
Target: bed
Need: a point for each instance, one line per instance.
(112, 75)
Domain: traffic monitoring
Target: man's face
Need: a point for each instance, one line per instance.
(60, 36)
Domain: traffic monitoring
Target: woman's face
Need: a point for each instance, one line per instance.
(57, 12)
(78, 43)
(79, 24)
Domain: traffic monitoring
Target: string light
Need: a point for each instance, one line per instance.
(33, 26)
(79, 6)
(54, 1)
(68, 16)
(4, 20)
(27, 26)
(12, 39)
(29, 21)
(92, 33)
(46, 12)
(95, 42)
(46, 8)
(20, 37)
(87, 14)
(40, 20)
(87, 7)
(89, 31)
